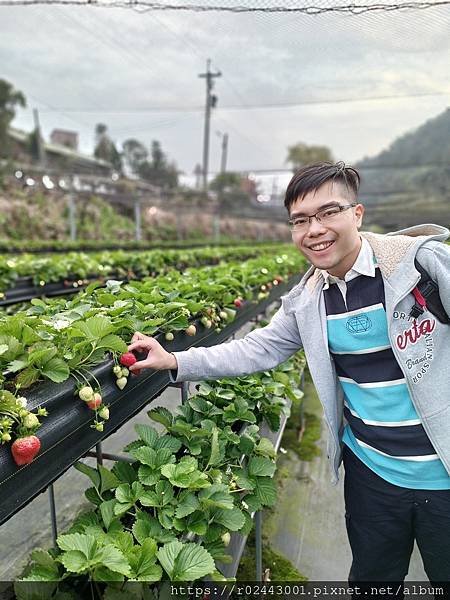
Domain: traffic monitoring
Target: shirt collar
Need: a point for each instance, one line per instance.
(363, 265)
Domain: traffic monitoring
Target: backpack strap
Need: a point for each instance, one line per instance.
(426, 296)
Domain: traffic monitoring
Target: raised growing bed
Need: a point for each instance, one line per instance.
(66, 435)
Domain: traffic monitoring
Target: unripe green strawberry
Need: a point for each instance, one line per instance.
(22, 413)
(206, 322)
(191, 330)
(226, 537)
(6, 437)
(169, 336)
(103, 413)
(124, 373)
(86, 393)
(117, 370)
(223, 315)
(121, 382)
(31, 421)
(99, 426)
(217, 330)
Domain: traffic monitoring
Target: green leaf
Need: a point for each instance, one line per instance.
(113, 558)
(43, 558)
(74, 561)
(108, 479)
(169, 442)
(39, 358)
(161, 415)
(85, 544)
(16, 365)
(231, 519)
(27, 377)
(215, 455)
(187, 504)
(96, 327)
(262, 466)
(148, 476)
(107, 512)
(145, 455)
(192, 562)
(197, 523)
(3, 348)
(266, 491)
(167, 556)
(265, 448)
(148, 434)
(216, 495)
(56, 369)
(125, 472)
(113, 343)
(92, 473)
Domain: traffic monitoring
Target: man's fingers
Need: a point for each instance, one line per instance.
(140, 364)
(139, 345)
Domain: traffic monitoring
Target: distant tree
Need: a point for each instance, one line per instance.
(105, 149)
(9, 100)
(159, 171)
(301, 154)
(134, 155)
(226, 182)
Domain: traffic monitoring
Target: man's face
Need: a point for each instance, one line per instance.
(332, 245)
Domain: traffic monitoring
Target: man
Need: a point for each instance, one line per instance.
(382, 376)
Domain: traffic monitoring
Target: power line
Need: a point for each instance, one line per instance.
(144, 5)
(199, 108)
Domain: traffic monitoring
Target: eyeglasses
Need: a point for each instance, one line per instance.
(326, 215)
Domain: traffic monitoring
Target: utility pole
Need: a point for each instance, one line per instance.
(211, 101)
(37, 129)
(223, 160)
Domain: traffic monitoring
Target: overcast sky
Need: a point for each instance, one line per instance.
(112, 64)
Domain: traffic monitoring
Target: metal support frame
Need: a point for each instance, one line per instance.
(51, 498)
(258, 545)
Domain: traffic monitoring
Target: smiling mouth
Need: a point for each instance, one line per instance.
(320, 247)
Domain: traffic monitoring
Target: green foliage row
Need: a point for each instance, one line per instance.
(168, 515)
(62, 338)
(120, 264)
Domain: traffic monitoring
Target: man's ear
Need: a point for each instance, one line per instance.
(359, 212)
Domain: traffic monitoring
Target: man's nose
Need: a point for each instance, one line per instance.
(315, 227)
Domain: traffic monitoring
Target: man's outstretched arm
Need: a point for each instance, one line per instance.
(259, 350)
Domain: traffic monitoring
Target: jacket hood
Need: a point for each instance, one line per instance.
(390, 249)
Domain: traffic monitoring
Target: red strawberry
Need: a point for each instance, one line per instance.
(127, 359)
(24, 449)
(238, 302)
(96, 402)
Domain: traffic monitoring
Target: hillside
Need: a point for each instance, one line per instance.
(409, 182)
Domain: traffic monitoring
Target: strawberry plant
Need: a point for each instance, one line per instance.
(62, 338)
(169, 514)
(77, 268)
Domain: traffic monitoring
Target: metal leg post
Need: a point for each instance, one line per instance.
(98, 450)
(51, 498)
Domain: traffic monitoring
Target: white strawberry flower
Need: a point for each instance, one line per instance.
(22, 401)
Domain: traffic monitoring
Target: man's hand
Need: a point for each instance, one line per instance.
(157, 358)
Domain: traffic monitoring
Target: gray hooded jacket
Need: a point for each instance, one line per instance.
(421, 347)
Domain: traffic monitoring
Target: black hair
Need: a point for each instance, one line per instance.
(310, 177)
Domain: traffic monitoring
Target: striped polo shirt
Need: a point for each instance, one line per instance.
(383, 428)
